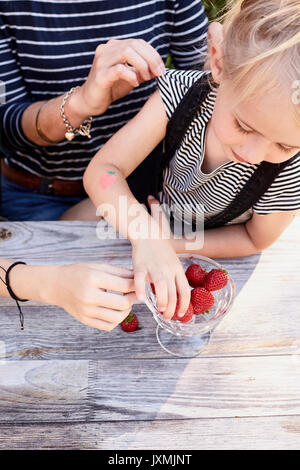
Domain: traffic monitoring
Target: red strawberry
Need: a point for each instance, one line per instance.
(202, 300)
(187, 316)
(130, 323)
(216, 279)
(195, 275)
(153, 288)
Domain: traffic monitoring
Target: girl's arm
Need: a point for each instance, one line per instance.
(105, 183)
(105, 177)
(233, 241)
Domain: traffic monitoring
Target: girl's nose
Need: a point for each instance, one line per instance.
(255, 150)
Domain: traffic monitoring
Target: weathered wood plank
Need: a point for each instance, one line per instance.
(50, 333)
(59, 242)
(264, 320)
(197, 388)
(59, 371)
(43, 391)
(267, 433)
(151, 389)
(47, 241)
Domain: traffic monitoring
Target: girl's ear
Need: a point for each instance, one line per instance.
(215, 40)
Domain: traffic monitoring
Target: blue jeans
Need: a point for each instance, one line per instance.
(19, 203)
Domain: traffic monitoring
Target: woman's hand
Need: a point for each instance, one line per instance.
(84, 291)
(118, 67)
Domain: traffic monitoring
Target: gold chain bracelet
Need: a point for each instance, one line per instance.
(83, 129)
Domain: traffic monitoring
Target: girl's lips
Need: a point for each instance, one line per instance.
(240, 159)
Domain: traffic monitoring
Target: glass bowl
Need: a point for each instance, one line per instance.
(188, 339)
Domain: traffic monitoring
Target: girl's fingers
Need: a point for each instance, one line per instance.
(140, 278)
(172, 301)
(184, 294)
(161, 292)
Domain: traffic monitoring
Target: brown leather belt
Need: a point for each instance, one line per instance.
(43, 185)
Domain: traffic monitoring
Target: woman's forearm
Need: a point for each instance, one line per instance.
(230, 241)
(50, 120)
(28, 282)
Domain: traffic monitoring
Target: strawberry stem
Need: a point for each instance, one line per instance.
(129, 318)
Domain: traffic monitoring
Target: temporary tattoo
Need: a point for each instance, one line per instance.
(107, 179)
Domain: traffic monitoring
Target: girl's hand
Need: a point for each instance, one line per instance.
(82, 289)
(155, 261)
(118, 67)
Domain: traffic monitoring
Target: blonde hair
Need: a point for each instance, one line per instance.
(262, 46)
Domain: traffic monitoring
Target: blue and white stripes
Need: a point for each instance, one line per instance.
(46, 47)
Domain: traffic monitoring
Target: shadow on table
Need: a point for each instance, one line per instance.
(129, 377)
(160, 386)
(240, 269)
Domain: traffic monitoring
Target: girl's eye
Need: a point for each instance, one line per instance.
(240, 128)
(285, 149)
(243, 131)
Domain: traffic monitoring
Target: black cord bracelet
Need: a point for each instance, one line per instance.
(11, 292)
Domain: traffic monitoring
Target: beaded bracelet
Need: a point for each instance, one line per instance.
(10, 291)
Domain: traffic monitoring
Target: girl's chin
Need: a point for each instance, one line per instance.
(235, 157)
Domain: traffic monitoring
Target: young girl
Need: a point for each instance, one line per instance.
(250, 116)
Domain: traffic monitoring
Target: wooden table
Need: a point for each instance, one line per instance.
(64, 385)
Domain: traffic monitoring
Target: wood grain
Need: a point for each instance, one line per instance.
(267, 433)
(196, 388)
(43, 391)
(260, 322)
(65, 385)
(51, 333)
(149, 389)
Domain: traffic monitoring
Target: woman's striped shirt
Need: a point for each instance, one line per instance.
(47, 47)
(187, 188)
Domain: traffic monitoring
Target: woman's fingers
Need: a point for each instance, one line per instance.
(122, 72)
(112, 278)
(116, 270)
(111, 300)
(154, 61)
(105, 318)
(108, 315)
(135, 52)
